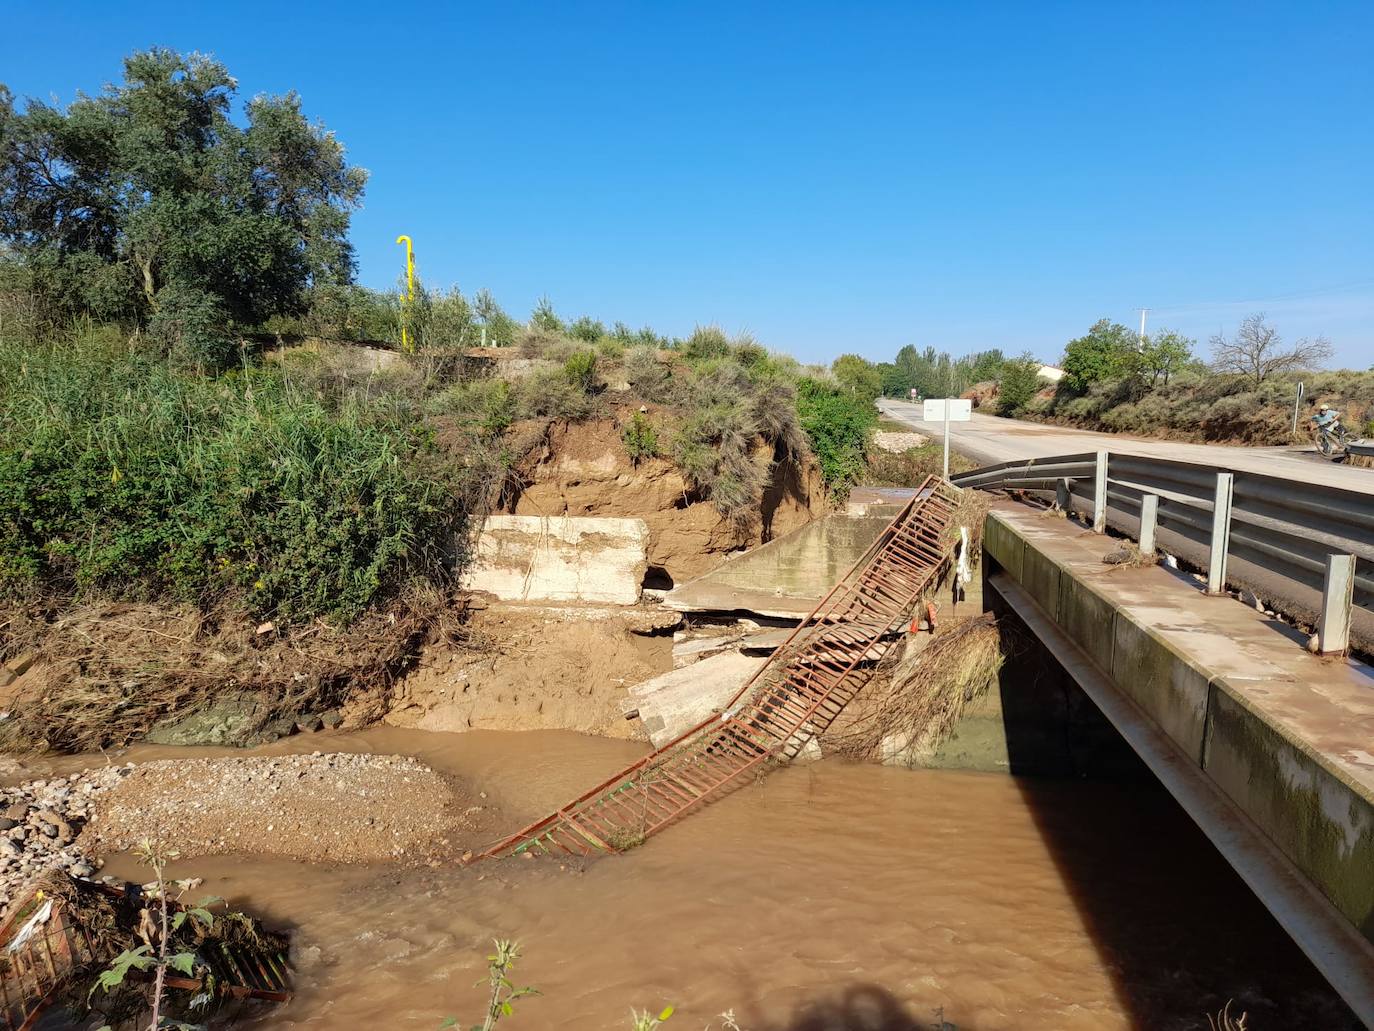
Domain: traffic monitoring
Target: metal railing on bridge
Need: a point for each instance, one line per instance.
(1306, 548)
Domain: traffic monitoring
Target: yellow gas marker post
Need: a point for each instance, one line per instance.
(406, 345)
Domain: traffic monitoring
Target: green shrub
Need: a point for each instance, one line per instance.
(640, 438)
(610, 348)
(647, 376)
(123, 477)
(580, 368)
(1019, 383)
(705, 344)
(486, 406)
(839, 427)
(193, 327)
(548, 393)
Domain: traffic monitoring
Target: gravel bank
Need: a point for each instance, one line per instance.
(316, 808)
(340, 808)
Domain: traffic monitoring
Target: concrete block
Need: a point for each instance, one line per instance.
(1088, 619)
(1322, 823)
(561, 558)
(786, 577)
(685, 653)
(674, 702)
(1005, 545)
(1162, 682)
(1041, 579)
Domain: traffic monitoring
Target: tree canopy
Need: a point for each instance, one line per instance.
(1107, 351)
(151, 186)
(858, 376)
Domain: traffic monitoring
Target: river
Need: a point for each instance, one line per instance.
(828, 896)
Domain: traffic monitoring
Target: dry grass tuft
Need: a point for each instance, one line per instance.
(1223, 1021)
(972, 513)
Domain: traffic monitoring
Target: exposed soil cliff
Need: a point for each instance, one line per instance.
(582, 469)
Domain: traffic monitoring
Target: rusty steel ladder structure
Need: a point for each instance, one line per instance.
(34, 974)
(787, 703)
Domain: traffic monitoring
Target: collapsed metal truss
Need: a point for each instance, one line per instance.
(787, 703)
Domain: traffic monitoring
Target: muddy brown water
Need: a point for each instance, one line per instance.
(827, 896)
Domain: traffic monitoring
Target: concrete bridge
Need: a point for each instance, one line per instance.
(1269, 748)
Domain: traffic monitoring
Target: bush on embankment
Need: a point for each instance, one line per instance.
(123, 477)
(1211, 408)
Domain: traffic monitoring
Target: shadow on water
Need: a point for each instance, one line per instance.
(1180, 931)
(857, 1007)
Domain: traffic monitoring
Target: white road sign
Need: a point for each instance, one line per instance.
(960, 410)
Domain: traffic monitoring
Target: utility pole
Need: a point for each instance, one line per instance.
(1142, 325)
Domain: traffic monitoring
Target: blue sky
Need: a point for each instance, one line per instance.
(846, 177)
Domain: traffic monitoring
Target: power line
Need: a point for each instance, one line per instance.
(1320, 291)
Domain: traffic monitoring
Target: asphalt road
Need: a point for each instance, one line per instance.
(988, 439)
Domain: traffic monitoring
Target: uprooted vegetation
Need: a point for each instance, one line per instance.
(914, 708)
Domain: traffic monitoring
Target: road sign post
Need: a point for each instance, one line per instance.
(947, 410)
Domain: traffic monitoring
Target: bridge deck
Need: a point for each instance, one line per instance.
(1285, 737)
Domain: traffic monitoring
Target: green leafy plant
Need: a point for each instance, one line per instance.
(1020, 380)
(580, 368)
(503, 993)
(157, 926)
(121, 476)
(839, 426)
(640, 438)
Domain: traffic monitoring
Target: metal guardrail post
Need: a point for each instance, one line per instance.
(1100, 494)
(1338, 593)
(1221, 533)
(1149, 519)
(1063, 495)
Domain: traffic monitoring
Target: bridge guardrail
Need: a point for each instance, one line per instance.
(1308, 549)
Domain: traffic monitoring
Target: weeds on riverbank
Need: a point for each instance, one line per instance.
(1211, 408)
(123, 477)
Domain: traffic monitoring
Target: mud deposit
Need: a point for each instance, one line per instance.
(829, 896)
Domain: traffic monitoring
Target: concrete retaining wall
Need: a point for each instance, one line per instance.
(561, 558)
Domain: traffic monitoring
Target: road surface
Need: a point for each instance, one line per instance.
(989, 439)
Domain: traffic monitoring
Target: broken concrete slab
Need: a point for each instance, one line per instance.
(561, 558)
(878, 500)
(787, 577)
(675, 702)
(685, 653)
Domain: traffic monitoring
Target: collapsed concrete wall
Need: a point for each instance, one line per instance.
(671, 704)
(561, 558)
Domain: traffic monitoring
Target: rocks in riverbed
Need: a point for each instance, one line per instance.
(40, 827)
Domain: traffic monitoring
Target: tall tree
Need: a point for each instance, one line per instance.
(1257, 352)
(150, 192)
(1107, 351)
(1164, 354)
(1020, 380)
(858, 376)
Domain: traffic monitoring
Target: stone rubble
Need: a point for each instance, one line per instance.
(897, 443)
(40, 824)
